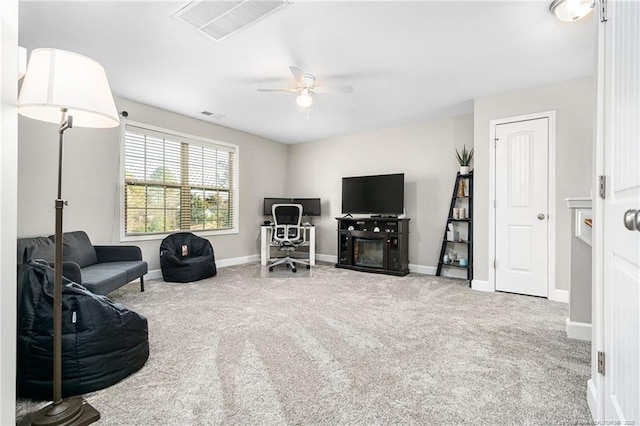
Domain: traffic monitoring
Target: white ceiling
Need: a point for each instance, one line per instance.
(407, 61)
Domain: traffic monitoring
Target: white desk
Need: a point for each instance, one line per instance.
(265, 243)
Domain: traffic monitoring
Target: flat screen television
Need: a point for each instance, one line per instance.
(378, 195)
(310, 206)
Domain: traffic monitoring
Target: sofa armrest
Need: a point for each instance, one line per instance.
(118, 253)
(70, 270)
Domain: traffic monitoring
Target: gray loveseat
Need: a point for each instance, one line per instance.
(100, 269)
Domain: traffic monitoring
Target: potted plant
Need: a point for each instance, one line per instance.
(464, 158)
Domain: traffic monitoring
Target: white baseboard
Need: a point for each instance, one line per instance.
(422, 269)
(156, 274)
(592, 399)
(559, 296)
(237, 260)
(418, 269)
(326, 258)
(482, 285)
(578, 330)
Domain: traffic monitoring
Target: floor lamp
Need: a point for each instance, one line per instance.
(70, 89)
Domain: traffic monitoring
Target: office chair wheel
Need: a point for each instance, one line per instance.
(270, 268)
(308, 266)
(293, 269)
(288, 266)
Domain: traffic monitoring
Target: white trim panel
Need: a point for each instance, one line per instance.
(421, 269)
(592, 399)
(482, 285)
(579, 203)
(326, 258)
(578, 330)
(557, 295)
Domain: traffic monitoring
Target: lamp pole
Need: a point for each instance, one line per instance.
(65, 123)
(74, 410)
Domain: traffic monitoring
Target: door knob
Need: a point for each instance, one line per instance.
(632, 220)
(541, 216)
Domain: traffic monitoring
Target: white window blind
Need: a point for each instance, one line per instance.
(176, 183)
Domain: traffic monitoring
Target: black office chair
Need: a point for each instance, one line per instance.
(288, 234)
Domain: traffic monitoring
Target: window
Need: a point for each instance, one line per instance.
(176, 182)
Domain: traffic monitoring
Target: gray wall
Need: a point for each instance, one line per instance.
(424, 152)
(574, 103)
(580, 302)
(91, 179)
(8, 211)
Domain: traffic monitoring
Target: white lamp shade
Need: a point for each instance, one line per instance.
(57, 79)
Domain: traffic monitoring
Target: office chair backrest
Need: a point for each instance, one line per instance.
(287, 222)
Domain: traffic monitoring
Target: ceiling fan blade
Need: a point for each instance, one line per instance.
(333, 89)
(277, 90)
(297, 73)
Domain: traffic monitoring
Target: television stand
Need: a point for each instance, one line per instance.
(379, 245)
(385, 216)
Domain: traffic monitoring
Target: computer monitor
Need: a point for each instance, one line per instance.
(310, 206)
(268, 202)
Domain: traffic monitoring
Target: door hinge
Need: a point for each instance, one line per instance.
(494, 204)
(494, 264)
(603, 10)
(601, 363)
(602, 186)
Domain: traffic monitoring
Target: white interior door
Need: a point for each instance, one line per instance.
(621, 262)
(521, 209)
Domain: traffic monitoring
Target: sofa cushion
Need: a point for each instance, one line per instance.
(102, 280)
(134, 269)
(78, 248)
(42, 248)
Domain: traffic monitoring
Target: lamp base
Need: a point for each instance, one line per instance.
(70, 411)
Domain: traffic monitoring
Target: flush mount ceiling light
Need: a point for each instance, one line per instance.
(571, 10)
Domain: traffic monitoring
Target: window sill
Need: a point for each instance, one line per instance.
(153, 237)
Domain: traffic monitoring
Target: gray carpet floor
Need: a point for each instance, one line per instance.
(332, 347)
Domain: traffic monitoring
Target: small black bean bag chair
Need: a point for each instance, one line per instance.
(102, 342)
(185, 257)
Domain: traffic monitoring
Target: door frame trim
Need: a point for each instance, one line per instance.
(551, 199)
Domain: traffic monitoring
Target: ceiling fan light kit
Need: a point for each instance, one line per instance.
(305, 86)
(304, 99)
(571, 10)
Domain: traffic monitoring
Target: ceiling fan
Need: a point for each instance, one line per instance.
(305, 86)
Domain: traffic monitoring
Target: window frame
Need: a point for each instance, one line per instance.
(235, 187)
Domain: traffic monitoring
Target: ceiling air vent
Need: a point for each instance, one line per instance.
(220, 19)
(212, 115)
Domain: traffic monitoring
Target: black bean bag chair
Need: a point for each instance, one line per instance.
(185, 257)
(102, 342)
